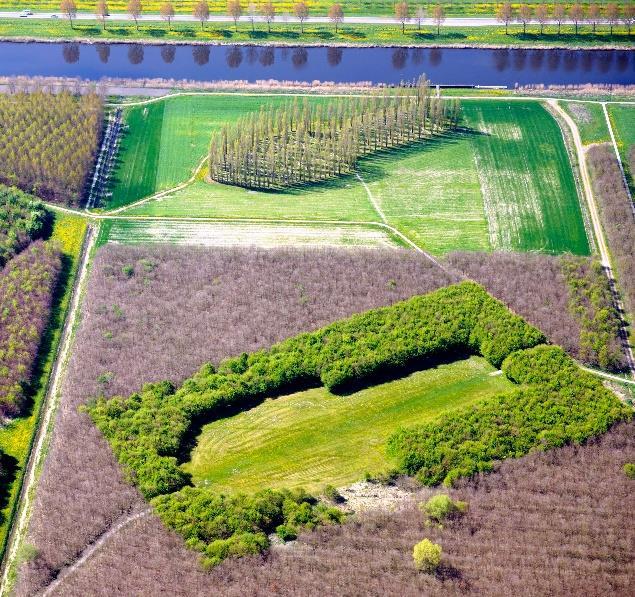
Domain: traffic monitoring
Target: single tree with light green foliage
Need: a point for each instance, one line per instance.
(427, 556)
(441, 507)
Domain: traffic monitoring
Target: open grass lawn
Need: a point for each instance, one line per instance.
(16, 437)
(235, 234)
(312, 438)
(589, 118)
(167, 139)
(623, 123)
(529, 192)
(504, 182)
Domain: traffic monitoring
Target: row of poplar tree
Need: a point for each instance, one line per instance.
(304, 142)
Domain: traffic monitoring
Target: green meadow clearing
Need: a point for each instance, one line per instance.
(589, 118)
(503, 181)
(312, 438)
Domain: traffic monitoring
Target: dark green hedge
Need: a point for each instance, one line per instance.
(558, 404)
(220, 526)
(147, 429)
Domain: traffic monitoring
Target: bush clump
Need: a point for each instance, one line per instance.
(22, 220)
(427, 556)
(146, 429)
(558, 404)
(222, 526)
(629, 470)
(441, 507)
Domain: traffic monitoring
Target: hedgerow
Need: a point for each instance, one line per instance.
(22, 219)
(558, 404)
(27, 285)
(146, 430)
(222, 526)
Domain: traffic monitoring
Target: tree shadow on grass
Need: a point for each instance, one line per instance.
(377, 166)
(385, 374)
(443, 36)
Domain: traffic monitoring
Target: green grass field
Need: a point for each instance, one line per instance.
(529, 192)
(312, 438)
(349, 34)
(167, 140)
(623, 123)
(16, 437)
(589, 118)
(504, 182)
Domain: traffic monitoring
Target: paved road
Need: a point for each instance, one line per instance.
(353, 20)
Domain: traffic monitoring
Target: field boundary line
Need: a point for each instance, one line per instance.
(160, 194)
(617, 155)
(89, 550)
(282, 93)
(605, 258)
(45, 426)
(372, 199)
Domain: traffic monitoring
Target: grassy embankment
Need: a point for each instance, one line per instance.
(16, 438)
(503, 182)
(315, 33)
(589, 118)
(351, 7)
(312, 438)
(623, 123)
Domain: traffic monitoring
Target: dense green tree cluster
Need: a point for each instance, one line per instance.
(558, 404)
(304, 143)
(146, 430)
(591, 302)
(22, 219)
(27, 285)
(222, 526)
(48, 142)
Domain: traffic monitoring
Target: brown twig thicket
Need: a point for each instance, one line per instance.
(618, 217)
(564, 297)
(27, 286)
(544, 524)
(304, 143)
(48, 142)
(159, 312)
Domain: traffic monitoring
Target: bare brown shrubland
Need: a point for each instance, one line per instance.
(618, 216)
(555, 523)
(532, 285)
(158, 313)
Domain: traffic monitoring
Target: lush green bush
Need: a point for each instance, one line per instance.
(442, 507)
(427, 556)
(146, 429)
(22, 219)
(629, 470)
(558, 404)
(220, 526)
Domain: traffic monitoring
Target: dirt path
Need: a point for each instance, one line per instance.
(49, 408)
(92, 548)
(605, 256)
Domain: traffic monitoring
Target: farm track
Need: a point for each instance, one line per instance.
(46, 419)
(605, 256)
(92, 548)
